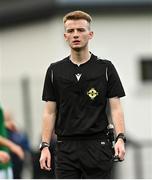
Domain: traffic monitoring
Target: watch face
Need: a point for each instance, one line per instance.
(40, 145)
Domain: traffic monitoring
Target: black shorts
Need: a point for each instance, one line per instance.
(88, 159)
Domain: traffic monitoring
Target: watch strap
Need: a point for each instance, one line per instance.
(122, 136)
(43, 145)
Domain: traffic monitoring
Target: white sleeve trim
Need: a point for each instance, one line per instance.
(107, 73)
(52, 76)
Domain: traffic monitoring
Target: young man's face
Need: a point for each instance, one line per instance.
(77, 33)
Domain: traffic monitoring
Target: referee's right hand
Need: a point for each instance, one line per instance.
(45, 159)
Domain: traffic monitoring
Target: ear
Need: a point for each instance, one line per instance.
(65, 36)
(91, 34)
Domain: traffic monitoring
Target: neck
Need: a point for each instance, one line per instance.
(80, 57)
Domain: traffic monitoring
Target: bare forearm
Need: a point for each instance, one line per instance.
(12, 146)
(117, 115)
(6, 142)
(48, 127)
(118, 121)
(49, 117)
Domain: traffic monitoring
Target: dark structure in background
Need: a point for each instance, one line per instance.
(146, 69)
(13, 12)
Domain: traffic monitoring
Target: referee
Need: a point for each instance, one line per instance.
(77, 90)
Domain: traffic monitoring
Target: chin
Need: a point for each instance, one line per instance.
(77, 48)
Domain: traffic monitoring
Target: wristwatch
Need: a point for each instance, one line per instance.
(122, 136)
(43, 145)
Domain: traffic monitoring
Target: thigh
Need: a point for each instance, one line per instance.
(97, 173)
(67, 174)
(97, 159)
(66, 164)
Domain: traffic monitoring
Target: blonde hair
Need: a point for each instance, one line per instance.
(76, 15)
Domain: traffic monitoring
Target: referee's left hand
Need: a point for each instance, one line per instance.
(120, 149)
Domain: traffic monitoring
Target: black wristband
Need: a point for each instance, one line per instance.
(43, 145)
(122, 136)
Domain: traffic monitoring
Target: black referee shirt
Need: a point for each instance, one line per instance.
(81, 94)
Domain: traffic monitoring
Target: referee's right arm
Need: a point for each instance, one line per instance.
(49, 117)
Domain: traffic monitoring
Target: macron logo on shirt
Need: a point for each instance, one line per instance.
(78, 76)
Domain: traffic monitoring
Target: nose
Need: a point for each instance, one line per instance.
(75, 35)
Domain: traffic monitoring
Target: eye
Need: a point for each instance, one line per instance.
(69, 30)
(81, 29)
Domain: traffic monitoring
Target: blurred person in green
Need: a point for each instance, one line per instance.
(5, 146)
(20, 138)
(5, 168)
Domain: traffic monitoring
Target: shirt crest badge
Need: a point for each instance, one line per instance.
(92, 93)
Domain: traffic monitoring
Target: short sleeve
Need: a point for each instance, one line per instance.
(115, 88)
(48, 88)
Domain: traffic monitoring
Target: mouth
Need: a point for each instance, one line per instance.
(76, 42)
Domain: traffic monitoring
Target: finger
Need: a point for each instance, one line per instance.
(48, 163)
(43, 165)
(116, 152)
(122, 154)
(47, 168)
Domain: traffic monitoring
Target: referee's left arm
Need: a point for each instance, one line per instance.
(119, 125)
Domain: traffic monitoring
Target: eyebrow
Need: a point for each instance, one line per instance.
(69, 29)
